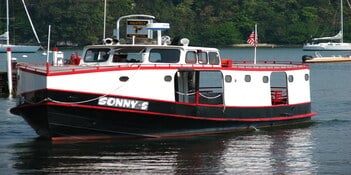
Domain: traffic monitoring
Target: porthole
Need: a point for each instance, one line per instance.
(168, 78)
(307, 77)
(265, 79)
(247, 78)
(228, 78)
(123, 78)
(291, 78)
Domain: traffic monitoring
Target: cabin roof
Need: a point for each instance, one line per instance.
(151, 46)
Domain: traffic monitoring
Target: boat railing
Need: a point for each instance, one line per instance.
(47, 68)
(317, 54)
(271, 64)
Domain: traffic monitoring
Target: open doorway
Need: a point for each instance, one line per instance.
(279, 89)
(200, 87)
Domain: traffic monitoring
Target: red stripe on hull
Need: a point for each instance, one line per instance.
(277, 118)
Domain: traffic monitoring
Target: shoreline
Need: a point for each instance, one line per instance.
(265, 45)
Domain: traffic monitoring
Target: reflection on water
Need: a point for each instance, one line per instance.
(267, 152)
(278, 152)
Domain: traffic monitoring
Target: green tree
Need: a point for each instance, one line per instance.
(204, 22)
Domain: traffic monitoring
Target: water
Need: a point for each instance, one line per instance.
(322, 147)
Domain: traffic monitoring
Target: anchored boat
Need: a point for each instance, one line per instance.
(335, 43)
(134, 88)
(318, 58)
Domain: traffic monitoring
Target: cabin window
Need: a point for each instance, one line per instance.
(164, 55)
(96, 55)
(168, 78)
(118, 58)
(123, 78)
(291, 78)
(128, 55)
(214, 58)
(265, 79)
(190, 57)
(228, 78)
(202, 57)
(247, 78)
(307, 77)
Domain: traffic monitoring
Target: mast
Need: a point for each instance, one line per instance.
(7, 23)
(30, 21)
(341, 22)
(104, 33)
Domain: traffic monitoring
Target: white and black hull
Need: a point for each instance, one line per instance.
(162, 119)
(147, 90)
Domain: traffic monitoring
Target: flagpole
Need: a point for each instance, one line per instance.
(255, 43)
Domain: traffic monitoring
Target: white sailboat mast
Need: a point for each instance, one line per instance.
(7, 23)
(342, 22)
(104, 32)
(30, 21)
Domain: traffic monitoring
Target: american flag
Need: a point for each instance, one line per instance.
(252, 40)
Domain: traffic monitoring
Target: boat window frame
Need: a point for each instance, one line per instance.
(190, 59)
(213, 58)
(247, 78)
(202, 57)
(98, 55)
(128, 55)
(161, 55)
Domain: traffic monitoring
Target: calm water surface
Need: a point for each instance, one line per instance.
(322, 147)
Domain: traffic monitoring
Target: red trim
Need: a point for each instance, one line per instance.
(159, 136)
(280, 118)
(85, 138)
(69, 70)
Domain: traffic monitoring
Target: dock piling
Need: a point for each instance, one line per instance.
(9, 71)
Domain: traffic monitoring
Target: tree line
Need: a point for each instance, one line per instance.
(204, 22)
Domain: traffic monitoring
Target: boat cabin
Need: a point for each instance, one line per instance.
(149, 54)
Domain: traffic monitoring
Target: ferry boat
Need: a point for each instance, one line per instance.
(132, 88)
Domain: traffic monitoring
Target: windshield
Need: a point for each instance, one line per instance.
(96, 55)
(164, 55)
(129, 55)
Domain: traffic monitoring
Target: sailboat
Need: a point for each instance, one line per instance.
(336, 43)
(6, 36)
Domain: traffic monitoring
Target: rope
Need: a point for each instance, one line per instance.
(202, 95)
(187, 94)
